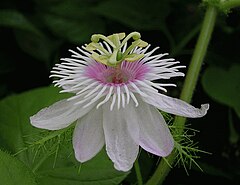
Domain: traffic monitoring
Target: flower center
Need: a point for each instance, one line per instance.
(121, 74)
(116, 76)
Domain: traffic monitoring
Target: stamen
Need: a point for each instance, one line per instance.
(117, 54)
(96, 37)
(114, 71)
(134, 35)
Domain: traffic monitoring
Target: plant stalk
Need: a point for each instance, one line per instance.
(188, 88)
(138, 173)
(226, 5)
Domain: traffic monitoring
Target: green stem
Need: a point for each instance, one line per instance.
(138, 173)
(188, 88)
(228, 4)
(199, 54)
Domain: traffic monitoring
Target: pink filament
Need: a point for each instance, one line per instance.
(127, 72)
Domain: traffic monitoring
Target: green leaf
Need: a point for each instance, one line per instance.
(14, 19)
(72, 20)
(98, 170)
(74, 30)
(72, 9)
(13, 171)
(14, 117)
(16, 131)
(141, 15)
(37, 46)
(223, 85)
(30, 39)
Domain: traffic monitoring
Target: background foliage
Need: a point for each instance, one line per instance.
(34, 34)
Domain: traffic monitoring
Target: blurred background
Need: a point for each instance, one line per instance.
(34, 34)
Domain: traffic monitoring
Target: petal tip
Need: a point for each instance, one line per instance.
(123, 168)
(169, 148)
(34, 120)
(204, 109)
(80, 158)
(166, 149)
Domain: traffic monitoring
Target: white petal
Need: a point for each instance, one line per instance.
(121, 135)
(175, 106)
(155, 136)
(88, 137)
(59, 115)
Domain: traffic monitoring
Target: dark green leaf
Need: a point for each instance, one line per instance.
(74, 30)
(37, 46)
(142, 15)
(13, 171)
(71, 20)
(16, 131)
(223, 85)
(97, 171)
(14, 19)
(72, 9)
(14, 117)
